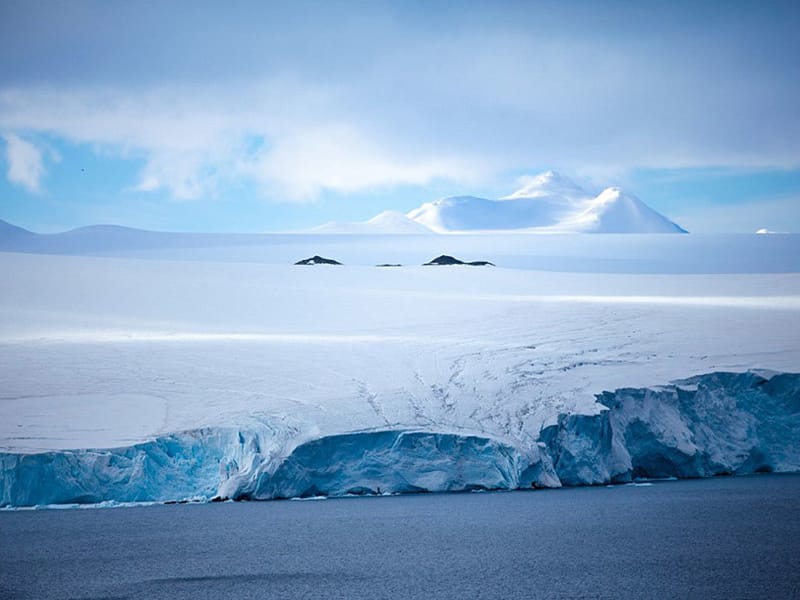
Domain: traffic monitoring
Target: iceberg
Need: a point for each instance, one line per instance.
(719, 423)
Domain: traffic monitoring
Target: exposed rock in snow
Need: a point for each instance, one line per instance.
(318, 260)
(445, 259)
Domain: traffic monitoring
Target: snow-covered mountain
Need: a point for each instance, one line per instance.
(389, 222)
(547, 203)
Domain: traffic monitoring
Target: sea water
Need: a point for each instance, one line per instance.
(736, 537)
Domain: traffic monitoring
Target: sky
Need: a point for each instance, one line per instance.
(268, 116)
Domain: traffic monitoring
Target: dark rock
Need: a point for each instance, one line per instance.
(317, 260)
(480, 263)
(444, 259)
(389, 265)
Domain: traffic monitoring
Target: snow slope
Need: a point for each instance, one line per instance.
(547, 203)
(614, 211)
(469, 213)
(135, 380)
(387, 222)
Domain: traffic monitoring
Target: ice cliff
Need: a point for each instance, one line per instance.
(719, 423)
(716, 424)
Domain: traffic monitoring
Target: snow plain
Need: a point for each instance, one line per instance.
(109, 342)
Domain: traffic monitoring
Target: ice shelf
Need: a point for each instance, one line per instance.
(713, 424)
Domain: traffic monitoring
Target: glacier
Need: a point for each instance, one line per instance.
(167, 368)
(720, 423)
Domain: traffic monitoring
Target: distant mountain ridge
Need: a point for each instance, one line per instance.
(9, 230)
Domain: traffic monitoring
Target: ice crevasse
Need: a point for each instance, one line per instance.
(718, 423)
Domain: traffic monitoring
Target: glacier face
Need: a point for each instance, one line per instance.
(719, 423)
(392, 462)
(715, 424)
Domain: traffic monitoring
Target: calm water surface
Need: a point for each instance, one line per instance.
(720, 538)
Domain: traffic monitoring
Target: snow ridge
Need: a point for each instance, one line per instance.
(714, 424)
(614, 211)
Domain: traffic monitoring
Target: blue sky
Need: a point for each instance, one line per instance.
(266, 116)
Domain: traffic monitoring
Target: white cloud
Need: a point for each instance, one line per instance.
(377, 98)
(193, 140)
(25, 166)
(303, 163)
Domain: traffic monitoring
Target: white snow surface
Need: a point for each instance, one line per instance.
(547, 184)
(154, 373)
(548, 203)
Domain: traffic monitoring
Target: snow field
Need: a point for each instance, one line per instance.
(217, 372)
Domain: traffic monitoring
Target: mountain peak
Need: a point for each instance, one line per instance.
(612, 191)
(614, 211)
(549, 183)
(613, 194)
(550, 175)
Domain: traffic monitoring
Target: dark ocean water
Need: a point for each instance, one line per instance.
(720, 538)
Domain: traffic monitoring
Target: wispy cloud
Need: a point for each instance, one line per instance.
(25, 166)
